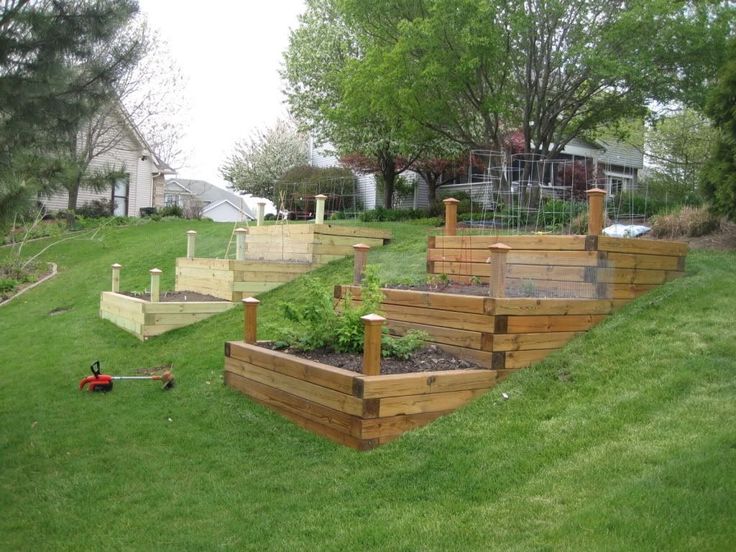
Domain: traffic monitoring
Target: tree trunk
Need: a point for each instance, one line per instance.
(389, 179)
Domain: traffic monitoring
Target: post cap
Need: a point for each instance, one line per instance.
(361, 247)
(116, 265)
(241, 230)
(320, 196)
(372, 318)
(450, 200)
(155, 271)
(261, 202)
(596, 191)
(251, 301)
(191, 232)
(499, 247)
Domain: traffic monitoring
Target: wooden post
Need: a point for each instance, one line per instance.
(450, 216)
(250, 319)
(373, 326)
(320, 214)
(155, 285)
(260, 212)
(191, 243)
(240, 234)
(497, 281)
(359, 260)
(596, 212)
(116, 277)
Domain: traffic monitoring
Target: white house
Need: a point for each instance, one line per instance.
(113, 142)
(216, 203)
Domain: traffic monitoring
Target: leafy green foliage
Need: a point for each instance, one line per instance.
(171, 211)
(379, 214)
(557, 213)
(720, 174)
(315, 324)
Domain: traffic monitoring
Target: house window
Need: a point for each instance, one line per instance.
(120, 191)
(171, 199)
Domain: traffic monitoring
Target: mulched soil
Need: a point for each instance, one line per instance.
(428, 359)
(174, 296)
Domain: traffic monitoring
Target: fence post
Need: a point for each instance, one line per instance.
(260, 212)
(373, 326)
(596, 201)
(155, 285)
(359, 260)
(240, 234)
(250, 319)
(497, 281)
(191, 243)
(320, 214)
(116, 277)
(450, 216)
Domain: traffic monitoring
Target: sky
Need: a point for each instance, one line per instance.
(229, 52)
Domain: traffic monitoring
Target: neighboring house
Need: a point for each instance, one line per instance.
(215, 203)
(113, 141)
(618, 164)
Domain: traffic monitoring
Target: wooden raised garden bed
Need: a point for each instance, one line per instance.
(146, 318)
(269, 256)
(357, 410)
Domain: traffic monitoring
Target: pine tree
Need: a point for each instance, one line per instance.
(58, 64)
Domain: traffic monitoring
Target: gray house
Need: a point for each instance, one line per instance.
(216, 203)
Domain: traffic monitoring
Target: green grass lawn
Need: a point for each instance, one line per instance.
(625, 440)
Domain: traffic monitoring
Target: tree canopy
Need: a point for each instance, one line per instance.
(720, 174)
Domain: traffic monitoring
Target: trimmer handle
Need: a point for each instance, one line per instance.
(97, 381)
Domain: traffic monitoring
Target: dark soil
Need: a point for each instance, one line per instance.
(452, 287)
(174, 296)
(428, 359)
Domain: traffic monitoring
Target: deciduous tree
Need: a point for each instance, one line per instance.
(258, 162)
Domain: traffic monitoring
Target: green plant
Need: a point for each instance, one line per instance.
(475, 280)
(438, 281)
(172, 211)
(95, 209)
(403, 347)
(7, 285)
(528, 288)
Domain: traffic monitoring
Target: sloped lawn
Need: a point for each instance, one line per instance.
(624, 440)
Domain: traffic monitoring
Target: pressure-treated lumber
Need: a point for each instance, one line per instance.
(352, 409)
(271, 256)
(146, 319)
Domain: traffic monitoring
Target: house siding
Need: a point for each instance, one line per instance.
(126, 154)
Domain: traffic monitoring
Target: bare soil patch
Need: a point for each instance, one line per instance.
(175, 296)
(723, 240)
(429, 358)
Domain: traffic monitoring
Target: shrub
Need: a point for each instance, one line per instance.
(556, 213)
(316, 324)
(172, 211)
(7, 285)
(96, 208)
(688, 221)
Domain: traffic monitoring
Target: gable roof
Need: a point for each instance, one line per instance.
(227, 202)
(208, 193)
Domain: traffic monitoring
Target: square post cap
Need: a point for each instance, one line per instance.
(372, 319)
(450, 200)
(595, 191)
(155, 271)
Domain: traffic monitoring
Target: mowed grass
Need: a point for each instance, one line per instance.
(625, 440)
